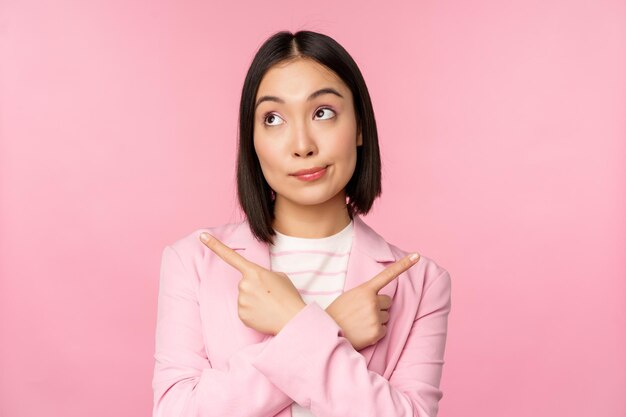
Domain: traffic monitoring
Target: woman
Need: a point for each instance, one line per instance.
(301, 309)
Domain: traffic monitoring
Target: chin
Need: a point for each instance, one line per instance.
(311, 201)
(313, 197)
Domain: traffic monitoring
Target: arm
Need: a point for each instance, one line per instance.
(320, 370)
(184, 382)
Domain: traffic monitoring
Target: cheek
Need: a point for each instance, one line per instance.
(344, 144)
(348, 152)
(263, 153)
(269, 160)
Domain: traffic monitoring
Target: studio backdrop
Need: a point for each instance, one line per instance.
(502, 128)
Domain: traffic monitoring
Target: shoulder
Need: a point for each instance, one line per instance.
(427, 270)
(189, 247)
(421, 275)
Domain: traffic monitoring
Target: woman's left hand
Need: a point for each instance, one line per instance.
(267, 299)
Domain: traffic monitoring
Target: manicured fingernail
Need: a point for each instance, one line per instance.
(204, 237)
(413, 257)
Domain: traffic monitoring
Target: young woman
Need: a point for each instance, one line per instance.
(301, 309)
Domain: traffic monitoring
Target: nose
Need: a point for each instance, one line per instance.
(303, 143)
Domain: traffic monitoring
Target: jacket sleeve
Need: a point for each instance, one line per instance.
(313, 364)
(184, 383)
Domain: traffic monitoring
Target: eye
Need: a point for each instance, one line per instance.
(321, 110)
(268, 116)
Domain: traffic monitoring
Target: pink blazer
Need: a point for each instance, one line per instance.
(208, 363)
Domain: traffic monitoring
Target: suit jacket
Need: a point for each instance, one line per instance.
(208, 363)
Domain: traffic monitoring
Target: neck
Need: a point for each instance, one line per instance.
(311, 221)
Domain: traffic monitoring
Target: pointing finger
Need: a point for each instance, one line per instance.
(392, 271)
(229, 255)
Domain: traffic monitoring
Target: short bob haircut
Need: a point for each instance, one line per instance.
(255, 196)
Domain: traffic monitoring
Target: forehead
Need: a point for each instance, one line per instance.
(297, 79)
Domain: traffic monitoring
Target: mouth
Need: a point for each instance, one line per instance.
(309, 171)
(310, 174)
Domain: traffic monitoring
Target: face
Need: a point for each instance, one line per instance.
(305, 118)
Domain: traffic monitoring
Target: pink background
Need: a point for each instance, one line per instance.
(502, 129)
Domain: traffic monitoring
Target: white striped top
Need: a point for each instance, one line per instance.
(317, 268)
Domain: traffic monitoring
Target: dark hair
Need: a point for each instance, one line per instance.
(256, 198)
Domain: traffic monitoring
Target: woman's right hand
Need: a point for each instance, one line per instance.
(267, 299)
(361, 312)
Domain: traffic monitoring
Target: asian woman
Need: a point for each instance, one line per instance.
(301, 309)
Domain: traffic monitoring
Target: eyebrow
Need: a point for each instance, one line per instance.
(327, 90)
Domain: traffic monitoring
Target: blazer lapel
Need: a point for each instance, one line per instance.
(370, 254)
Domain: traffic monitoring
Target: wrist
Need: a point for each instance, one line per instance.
(292, 313)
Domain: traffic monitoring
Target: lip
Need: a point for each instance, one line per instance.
(308, 171)
(315, 175)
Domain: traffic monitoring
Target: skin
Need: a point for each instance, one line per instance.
(290, 136)
(300, 134)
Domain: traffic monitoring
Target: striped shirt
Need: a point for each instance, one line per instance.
(317, 268)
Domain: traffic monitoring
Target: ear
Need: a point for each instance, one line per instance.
(359, 138)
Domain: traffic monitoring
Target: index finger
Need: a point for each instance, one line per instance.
(227, 254)
(392, 271)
